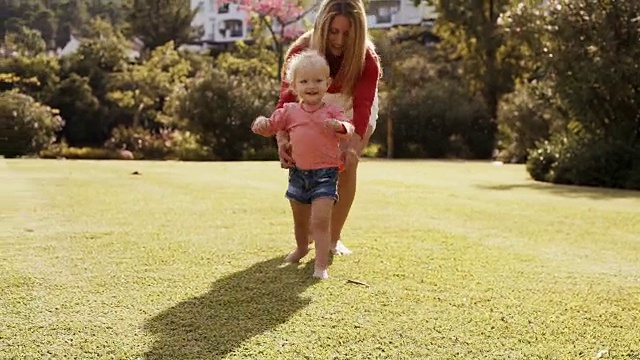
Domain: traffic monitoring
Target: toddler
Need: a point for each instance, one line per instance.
(315, 130)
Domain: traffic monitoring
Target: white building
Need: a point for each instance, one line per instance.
(136, 46)
(222, 24)
(228, 23)
(390, 13)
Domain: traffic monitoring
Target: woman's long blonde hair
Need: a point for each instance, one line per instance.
(357, 42)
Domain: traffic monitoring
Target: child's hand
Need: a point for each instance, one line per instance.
(260, 126)
(334, 124)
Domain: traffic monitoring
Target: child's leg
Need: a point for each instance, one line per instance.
(320, 232)
(301, 213)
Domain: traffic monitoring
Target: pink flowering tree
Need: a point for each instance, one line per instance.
(281, 18)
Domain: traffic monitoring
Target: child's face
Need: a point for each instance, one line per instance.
(311, 84)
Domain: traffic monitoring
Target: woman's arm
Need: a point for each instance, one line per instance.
(364, 94)
(363, 99)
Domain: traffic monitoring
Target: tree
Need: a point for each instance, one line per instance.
(589, 53)
(114, 11)
(25, 41)
(427, 104)
(145, 86)
(80, 108)
(97, 58)
(471, 30)
(46, 22)
(533, 111)
(39, 73)
(26, 126)
(595, 52)
(73, 18)
(221, 106)
(281, 18)
(587, 49)
(156, 22)
(16, 14)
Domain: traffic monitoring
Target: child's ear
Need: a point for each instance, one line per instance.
(329, 79)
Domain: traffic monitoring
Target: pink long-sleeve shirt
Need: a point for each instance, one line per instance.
(313, 144)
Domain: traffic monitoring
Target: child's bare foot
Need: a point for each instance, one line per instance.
(296, 255)
(320, 273)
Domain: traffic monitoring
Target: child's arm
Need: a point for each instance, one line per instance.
(340, 124)
(269, 127)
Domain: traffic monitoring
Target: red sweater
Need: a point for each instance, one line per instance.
(363, 94)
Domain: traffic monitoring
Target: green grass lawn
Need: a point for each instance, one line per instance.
(464, 260)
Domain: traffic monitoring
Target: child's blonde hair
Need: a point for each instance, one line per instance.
(305, 60)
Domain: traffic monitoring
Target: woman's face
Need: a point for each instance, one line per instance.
(338, 34)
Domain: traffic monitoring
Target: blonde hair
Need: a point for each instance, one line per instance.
(308, 59)
(358, 42)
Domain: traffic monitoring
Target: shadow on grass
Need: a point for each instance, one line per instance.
(237, 308)
(574, 191)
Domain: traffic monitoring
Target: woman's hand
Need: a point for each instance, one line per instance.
(284, 150)
(352, 153)
(350, 158)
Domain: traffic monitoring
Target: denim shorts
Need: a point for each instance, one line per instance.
(307, 185)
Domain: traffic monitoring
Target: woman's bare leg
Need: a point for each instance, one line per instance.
(347, 184)
(301, 215)
(346, 194)
(320, 231)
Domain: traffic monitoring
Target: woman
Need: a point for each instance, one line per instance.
(340, 33)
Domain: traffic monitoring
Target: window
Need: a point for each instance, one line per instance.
(383, 10)
(231, 28)
(224, 9)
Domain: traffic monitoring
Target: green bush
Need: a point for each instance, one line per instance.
(525, 117)
(372, 150)
(542, 159)
(438, 119)
(264, 153)
(589, 49)
(81, 109)
(85, 153)
(187, 146)
(142, 142)
(158, 145)
(82, 98)
(594, 50)
(633, 180)
(595, 163)
(428, 102)
(39, 74)
(26, 126)
(221, 108)
(587, 161)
